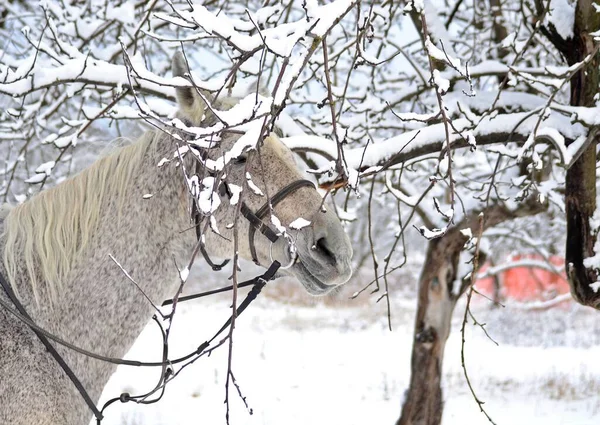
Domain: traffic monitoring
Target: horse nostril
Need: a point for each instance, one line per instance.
(322, 248)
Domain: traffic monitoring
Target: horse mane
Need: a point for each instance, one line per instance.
(50, 231)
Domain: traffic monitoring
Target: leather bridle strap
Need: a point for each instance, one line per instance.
(9, 291)
(21, 314)
(256, 219)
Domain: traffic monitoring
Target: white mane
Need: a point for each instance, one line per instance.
(51, 230)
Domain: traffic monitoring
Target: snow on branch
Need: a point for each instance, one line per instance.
(500, 129)
(86, 70)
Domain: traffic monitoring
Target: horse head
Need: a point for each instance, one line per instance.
(315, 247)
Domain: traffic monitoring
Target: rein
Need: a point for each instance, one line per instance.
(41, 334)
(44, 336)
(256, 223)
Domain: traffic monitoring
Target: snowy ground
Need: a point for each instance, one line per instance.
(335, 362)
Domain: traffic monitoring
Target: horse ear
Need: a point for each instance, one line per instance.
(185, 95)
(192, 105)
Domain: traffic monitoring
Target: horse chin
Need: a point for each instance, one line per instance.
(311, 283)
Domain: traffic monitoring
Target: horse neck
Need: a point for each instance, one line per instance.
(99, 308)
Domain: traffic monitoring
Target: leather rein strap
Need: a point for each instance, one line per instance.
(21, 314)
(256, 223)
(69, 372)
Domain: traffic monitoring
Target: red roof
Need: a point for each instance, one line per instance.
(526, 284)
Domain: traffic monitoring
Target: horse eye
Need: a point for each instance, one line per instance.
(241, 159)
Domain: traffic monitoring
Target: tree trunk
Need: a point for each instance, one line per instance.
(580, 193)
(423, 404)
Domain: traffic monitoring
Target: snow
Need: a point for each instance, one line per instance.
(63, 142)
(440, 55)
(280, 40)
(353, 178)
(124, 13)
(527, 263)
(213, 225)
(555, 126)
(246, 109)
(36, 178)
(253, 187)
(304, 143)
(235, 191)
(311, 7)
(46, 168)
(349, 215)
(411, 200)
(414, 5)
(432, 233)
(289, 77)
(289, 127)
(441, 83)
(86, 69)
(328, 14)
(333, 361)
(299, 223)
(593, 262)
(437, 28)
(20, 198)
(184, 273)
(208, 199)
(412, 116)
(243, 116)
(521, 123)
(277, 223)
(561, 14)
(266, 14)
(542, 305)
(557, 139)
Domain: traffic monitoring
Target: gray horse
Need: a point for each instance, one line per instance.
(56, 246)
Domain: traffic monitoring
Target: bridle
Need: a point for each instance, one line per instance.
(255, 220)
(256, 223)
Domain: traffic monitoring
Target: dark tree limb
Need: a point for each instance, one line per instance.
(580, 190)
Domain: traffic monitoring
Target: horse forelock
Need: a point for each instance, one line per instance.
(44, 236)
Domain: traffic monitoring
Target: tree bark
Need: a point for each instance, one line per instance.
(437, 298)
(423, 403)
(580, 190)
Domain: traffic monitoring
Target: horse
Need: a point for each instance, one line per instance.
(58, 251)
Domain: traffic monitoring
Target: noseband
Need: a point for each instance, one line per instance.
(256, 219)
(256, 222)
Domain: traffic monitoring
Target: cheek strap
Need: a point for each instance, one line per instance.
(256, 219)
